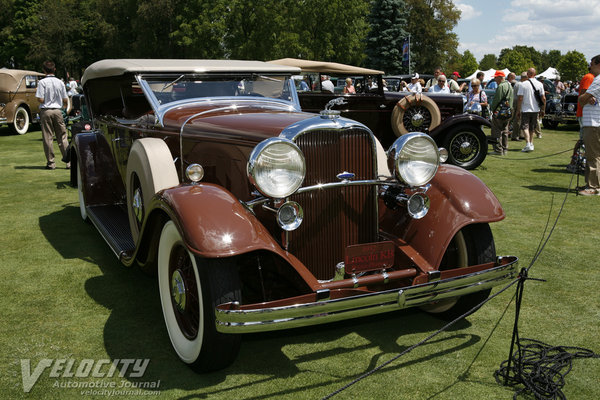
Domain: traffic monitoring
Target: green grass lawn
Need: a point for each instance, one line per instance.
(65, 296)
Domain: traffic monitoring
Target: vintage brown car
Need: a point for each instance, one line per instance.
(256, 216)
(18, 105)
(391, 114)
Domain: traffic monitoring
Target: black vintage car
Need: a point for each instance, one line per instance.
(559, 108)
(391, 114)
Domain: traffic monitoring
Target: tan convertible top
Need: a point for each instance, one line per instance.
(9, 78)
(325, 67)
(116, 67)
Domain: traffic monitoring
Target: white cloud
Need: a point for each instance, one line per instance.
(467, 11)
(563, 25)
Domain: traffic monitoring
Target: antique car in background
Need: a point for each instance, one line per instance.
(257, 216)
(18, 105)
(560, 108)
(391, 114)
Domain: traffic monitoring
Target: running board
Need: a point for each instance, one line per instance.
(113, 224)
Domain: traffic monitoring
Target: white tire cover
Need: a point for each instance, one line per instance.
(187, 350)
(151, 160)
(413, 100)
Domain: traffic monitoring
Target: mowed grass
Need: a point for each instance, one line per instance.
(66, 296)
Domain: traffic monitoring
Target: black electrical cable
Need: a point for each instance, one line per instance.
(550, 359)
(539, 367)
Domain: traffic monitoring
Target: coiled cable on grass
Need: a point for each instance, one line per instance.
(540, 368)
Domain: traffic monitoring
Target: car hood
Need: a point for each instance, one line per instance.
(246, 122)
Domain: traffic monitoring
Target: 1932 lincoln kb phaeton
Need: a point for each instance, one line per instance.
(257, 216)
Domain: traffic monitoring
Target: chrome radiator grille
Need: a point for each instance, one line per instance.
(338, 217)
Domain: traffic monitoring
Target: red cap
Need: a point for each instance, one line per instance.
(499, 73)
(456, 73)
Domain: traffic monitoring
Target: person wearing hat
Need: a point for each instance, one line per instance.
(414, 86)
(453, 83)
(504, 95)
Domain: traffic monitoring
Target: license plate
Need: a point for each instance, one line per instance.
(369, 257)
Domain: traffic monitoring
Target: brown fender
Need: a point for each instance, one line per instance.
(458, 198)
(213, 223)
(100, 186)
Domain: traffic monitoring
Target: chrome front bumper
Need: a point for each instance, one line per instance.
(321, 312)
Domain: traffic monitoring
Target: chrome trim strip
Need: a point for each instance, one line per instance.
(320, 312)
(250, 204)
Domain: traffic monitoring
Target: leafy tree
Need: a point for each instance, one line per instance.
(515, 61)
(550, 59)
(468, 63)
(14, 30)
(386, 35)
(430, 23)
(201, 29)
(488, 61)
(333, 30)
(527, 52)
(572, 66)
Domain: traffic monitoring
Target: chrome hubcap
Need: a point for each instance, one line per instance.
(138, 207)
(178, 290)
(466, 148)
(417, 120)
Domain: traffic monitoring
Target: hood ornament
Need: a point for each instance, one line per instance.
(328, 113)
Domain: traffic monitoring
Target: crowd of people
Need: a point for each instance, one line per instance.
(519, 105)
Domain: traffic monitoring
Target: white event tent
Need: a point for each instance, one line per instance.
(487, 75)
(550, 73)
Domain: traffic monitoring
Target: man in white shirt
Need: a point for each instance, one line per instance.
(415, 86)
(441, 86)
(590, 121)
(528, 107)
(52, 95)
(326, 84)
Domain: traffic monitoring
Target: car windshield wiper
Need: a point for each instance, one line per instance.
(168, 85)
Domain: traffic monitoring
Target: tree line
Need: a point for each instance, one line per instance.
(370, 33)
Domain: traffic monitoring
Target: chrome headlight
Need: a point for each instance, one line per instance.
(276, 167)
(414, 158)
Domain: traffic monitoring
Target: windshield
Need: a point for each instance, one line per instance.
(171, 88)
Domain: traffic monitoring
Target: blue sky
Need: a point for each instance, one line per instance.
(488, 26)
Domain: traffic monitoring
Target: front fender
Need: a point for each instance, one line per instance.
(213, 222)
(458, 198)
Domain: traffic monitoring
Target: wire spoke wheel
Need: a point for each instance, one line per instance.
(467, 146)
(417, 119)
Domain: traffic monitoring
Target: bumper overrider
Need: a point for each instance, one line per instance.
(231, 318)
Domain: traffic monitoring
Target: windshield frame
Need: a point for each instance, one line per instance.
(147, 84)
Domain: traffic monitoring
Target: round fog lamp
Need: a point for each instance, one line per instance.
(290, 215)
(194, 172)
(418, 205)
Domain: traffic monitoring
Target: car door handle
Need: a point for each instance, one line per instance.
(382, 106)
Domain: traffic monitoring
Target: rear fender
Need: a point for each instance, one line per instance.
(458, 198)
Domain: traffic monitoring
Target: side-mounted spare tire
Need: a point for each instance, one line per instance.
(415, 113)
(150, 168)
